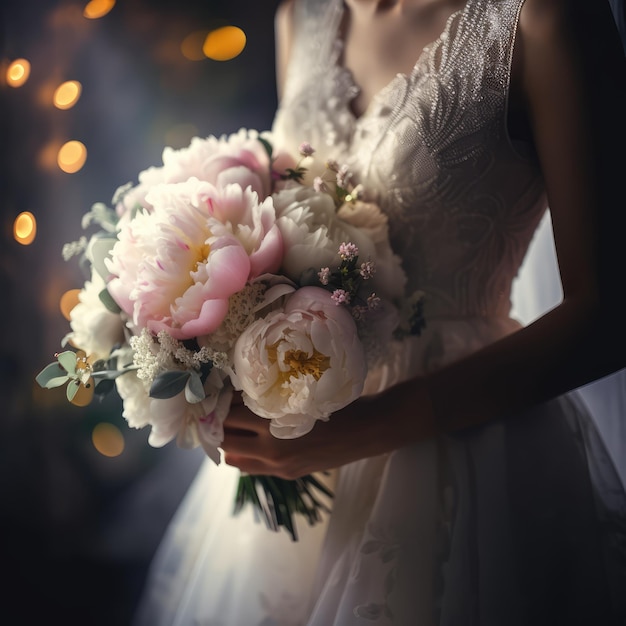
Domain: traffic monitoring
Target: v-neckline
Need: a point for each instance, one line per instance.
(399, 76)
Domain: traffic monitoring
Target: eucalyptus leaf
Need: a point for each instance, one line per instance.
(51, 376)
(99, 249)
(168, 384)
(107, 300)
(194, 391)
(72, 389)
(67, 360)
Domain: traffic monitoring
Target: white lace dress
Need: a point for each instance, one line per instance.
(517, 523)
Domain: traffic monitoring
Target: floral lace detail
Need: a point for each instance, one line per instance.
(382, 544)
(285, 610)
(432, 148)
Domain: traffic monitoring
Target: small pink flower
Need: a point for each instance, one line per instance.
(306, 149)
(340, 296)
(348, 251)
(367, 270)
(319, 185)
(324, 275)
(332, 165)
(373, 301)
(343, 176)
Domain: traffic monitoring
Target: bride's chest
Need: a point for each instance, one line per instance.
(377, 46)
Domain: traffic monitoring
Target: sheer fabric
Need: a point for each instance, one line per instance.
(519, 522)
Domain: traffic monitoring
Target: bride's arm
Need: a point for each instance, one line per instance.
(571, 72)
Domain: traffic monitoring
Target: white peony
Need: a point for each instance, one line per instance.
(301, 364)
(313, 230)
(135, 398)
(193, 424)
(95, 329)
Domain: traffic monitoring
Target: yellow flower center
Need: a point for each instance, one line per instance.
(300, 363)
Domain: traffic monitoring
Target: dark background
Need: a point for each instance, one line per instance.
(77, 529)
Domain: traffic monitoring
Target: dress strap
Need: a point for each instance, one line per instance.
(316, 24)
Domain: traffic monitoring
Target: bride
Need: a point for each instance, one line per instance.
(471, 486)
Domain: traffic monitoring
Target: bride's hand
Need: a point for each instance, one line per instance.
(365, 428)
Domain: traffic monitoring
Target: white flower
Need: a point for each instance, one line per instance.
(313, 232)
(193, 425)
(371, 226)
(135, 398)
(95, 329)
(300, 365)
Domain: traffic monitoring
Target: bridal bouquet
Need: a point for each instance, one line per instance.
(233, 269)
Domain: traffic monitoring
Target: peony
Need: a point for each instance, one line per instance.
(300, 364)
(192, 424)
(132, 391)
(239, 158)
(175, 267)
(313, 231)
(95, 329)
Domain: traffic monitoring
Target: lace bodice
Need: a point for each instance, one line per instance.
(432, 149)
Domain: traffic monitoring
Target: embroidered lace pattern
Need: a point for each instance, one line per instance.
(433, 149)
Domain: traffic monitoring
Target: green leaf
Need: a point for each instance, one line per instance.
(107, 300)
(72, 389)
(168, 384)
(98, 249)
(52, 375)
(267, 145)
(194, 391)
(67, 360)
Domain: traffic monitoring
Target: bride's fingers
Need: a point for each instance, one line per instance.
(246, 464)
(242, 418)
(247, 443)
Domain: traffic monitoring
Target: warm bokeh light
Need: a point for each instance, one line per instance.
(18, 72)
(107, 439)
(25, 228)
(67, 94)
(68, 301)
(98, 8)
(192, 45)
(224, 43)
(72, 156)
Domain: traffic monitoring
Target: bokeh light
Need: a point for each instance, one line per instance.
(68, 301)
(72, 156)
(18, 72)
(25, 228)
(67, 94)
(224, 44)
(98, 8)
(192, 45)
(107, 439)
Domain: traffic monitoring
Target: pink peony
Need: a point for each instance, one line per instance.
(239, 158)
(175, 267)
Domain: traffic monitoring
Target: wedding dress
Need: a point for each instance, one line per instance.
(521, 522)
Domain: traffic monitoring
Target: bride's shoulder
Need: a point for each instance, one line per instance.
(585, 22)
